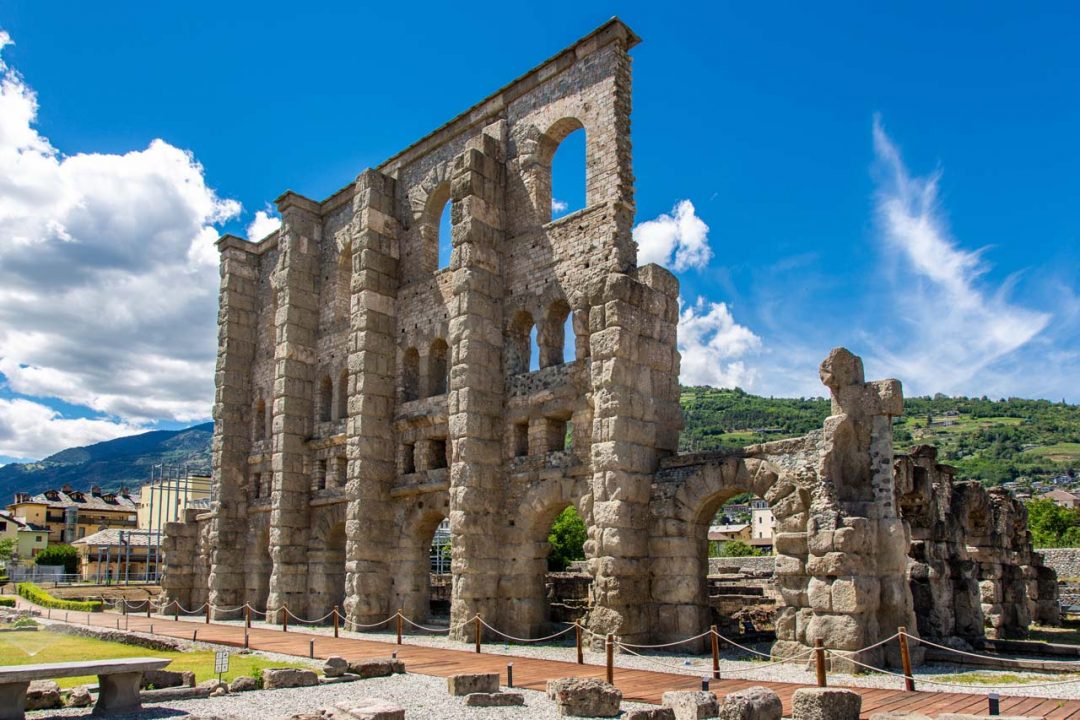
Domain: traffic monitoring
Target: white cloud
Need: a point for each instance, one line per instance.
(108, 274)
(955, 327)
(558, 206)
(679, 241)
(713, 346)
(30, 430)
(262, 225)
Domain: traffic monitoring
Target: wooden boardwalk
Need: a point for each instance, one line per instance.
(637, 685)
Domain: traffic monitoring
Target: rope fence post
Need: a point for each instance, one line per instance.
(175, 609)
(715, 652)
(247, 616)
(148, 606)
(285, 618)
(905, 659)
(400, 627)
(207, 613)
(819, 661)
(335, 621)
(610, 647)
(477, 621)
(577, 637)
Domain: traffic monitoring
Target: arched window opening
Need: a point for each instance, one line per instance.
(260, 420)
(554, 434)
(438, 379)
(521, 439)
(566, 540)
(439, 575)
(408, 458)
(256, 485)
(446, 240)
(553, 342)
(343, 294)
(742, 526)
(439, 454)
(341, 471)
(521, 344)
(568, 175)
(326, 398)
(319, 481)
(534, 350)
(410, 375)
(341, 409)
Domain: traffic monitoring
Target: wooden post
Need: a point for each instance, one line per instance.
(148, 607)
(207, 613)
(285, 618)
(715, 652)
(577, 637)
(819, 661)
(905, 660)
(610, 646)
(247, 616)
(335, 621)
(477, 621)
(175, 611)
(123, 606)
(400, 627)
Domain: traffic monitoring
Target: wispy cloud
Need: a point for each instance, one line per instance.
(558, 207)
(264, 223)
(955, 325)
(679, 241)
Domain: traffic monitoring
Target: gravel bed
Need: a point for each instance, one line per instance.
(422, 696)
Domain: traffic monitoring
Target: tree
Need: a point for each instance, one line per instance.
(64, 555)
(1052, 525)
(736, 548)
(567, 540)
(7, 549)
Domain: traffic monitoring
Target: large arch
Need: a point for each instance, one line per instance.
(685, 500)
(326, 561)
(412, 579)
(258, 565)
(526, 610)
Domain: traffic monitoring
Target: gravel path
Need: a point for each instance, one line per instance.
(422, 697)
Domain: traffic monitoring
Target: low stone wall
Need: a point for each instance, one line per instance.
(120, 636)
(752, 566)
(1064, 561)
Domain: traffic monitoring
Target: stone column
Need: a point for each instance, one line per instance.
(237, 319)
(635, 422)
(475, 400)
(296, 322)
(370, 443)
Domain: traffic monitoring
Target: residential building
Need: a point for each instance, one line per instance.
(29, 539)
(165, 500)
(112, 555)
(1064, 498)
(71, 514)
(762, 524)
(724, 533)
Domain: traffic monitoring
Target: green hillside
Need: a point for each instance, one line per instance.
(110, 464)
(994, 441)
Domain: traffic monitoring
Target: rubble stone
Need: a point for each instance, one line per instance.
(496, 699)
(80, 697)
(336, 666)
(43, 695)
(691, 704)
(825, 704)
(468, 684)
(584, 697)
(755, 703)
(274, 678)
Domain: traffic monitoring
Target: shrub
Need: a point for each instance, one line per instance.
(7, 602)
(64, 555)
(36, 595)
(737, 548)
(24, 622)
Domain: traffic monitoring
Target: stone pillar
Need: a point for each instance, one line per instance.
(475, 400)
(370, 443)
(635, 422)
(237, 319)
(295, 281)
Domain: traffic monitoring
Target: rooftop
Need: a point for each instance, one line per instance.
(95, 499)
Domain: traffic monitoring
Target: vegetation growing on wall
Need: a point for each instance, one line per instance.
(567, 540)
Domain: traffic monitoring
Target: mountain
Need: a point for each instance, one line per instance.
(110, 464)
(994, 441)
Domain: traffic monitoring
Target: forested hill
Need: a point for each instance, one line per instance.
(110, 464)
(990, 440)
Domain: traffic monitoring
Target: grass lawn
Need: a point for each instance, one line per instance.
(987, 678)
(1058, 452)
(1067, 634)
(24, 648)
(958, 425)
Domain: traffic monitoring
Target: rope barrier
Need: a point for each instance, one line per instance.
(373, 625)
(525, 640)
(437, 630)
(683, 668)
(309, 622)
(976, 655)
(670, 644)
(751, 650)
(924, 679)
(868, 647)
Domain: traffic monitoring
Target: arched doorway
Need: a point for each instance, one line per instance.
(422, 584)
(326, 563)
(259, 566)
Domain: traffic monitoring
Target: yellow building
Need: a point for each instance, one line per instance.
(29, 539)
(165, 500)
(118, 556)
(71, 514)
(725, 533)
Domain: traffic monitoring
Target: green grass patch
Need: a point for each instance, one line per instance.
(1061, 452)
(985, 678)
(36, 595)
(49, 647)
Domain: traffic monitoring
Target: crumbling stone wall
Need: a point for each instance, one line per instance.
(364, 395)
(972, 571)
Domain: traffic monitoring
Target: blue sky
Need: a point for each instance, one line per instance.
(897, 178)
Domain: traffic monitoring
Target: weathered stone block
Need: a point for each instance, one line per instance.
(80, 697)
(369, 709)
(660, 713)
(167, 679)
(585, 697)
(43, 695)
(335, 666)
(468, 684)
(376, 667)
(495, 699)
(691, 704)
(244, 683)
(825, 704)
(274, 678)
(755, 703)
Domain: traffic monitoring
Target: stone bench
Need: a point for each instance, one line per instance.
(118, 682)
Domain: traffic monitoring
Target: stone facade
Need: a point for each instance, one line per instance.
(364, 395)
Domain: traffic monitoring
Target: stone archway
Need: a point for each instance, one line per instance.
(258, 566)
(326, 562)
(412, 576)
(684, 501)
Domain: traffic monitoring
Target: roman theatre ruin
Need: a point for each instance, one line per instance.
(364, 395)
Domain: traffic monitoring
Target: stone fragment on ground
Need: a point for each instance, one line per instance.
(899, 715)
(274, 678)
(335, 666)
(366, 709)
(160, 679)
(470, 683)
(211, 685)
(754, 703)
(80, 697)
(43, 695)
(825, 704)
(584, 697)
(244, 683)
(376, 667)
(691, 704)
(660, 713)
(495, 699)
